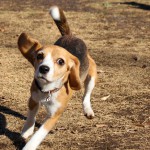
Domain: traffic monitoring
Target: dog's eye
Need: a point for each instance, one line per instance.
(40, 56)
(60, 61)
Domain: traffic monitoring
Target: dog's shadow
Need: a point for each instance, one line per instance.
(15, 137)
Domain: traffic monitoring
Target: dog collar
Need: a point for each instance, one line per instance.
(48, 98)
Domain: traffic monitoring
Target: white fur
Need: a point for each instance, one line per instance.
(50, 84)
(86, 99)
(36, 139)
(27, 131)
(39, 96)
(54, 12)
(52, 105)
(48, 61)
(53, 85)
(30, 123)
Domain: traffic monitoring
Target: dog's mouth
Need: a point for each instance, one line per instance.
(43, 79)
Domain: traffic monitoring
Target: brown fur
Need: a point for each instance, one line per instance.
(27, 45)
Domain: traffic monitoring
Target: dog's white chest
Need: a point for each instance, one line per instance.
(48, 100)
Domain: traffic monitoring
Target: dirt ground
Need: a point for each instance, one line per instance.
(117, 33)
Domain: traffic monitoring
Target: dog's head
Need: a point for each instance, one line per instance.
(53, 64)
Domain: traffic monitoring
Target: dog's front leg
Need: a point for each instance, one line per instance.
(30, 122)
(39, 136)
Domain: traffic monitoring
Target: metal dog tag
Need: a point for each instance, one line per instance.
(48, 97)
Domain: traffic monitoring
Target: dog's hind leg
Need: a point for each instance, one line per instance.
(89, 85)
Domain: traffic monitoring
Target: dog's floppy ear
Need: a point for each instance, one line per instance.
(27, 46)
(74, 76)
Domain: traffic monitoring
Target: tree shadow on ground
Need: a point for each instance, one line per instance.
(137, 5)
(15, 137)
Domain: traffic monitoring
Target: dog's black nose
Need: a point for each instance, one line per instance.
(44, 69)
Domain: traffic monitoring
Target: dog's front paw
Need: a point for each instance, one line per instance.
(28, 148)
(88, 112)
(27, 133)
(25, 148)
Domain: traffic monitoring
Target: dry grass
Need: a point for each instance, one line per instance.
(118, 38)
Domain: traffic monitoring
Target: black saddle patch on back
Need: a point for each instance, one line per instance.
(77, 48)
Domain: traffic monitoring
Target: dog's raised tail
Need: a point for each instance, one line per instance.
(60, 20)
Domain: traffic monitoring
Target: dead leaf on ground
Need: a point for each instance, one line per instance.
(105, 98)
(146, 123)
(101, 125)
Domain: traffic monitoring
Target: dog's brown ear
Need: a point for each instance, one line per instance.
(27, 46)
(74, 77)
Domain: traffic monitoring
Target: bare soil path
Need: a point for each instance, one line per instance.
(117, 33)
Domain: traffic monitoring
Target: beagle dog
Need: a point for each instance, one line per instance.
(60, 70)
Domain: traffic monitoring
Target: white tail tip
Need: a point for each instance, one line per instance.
(54, 12)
